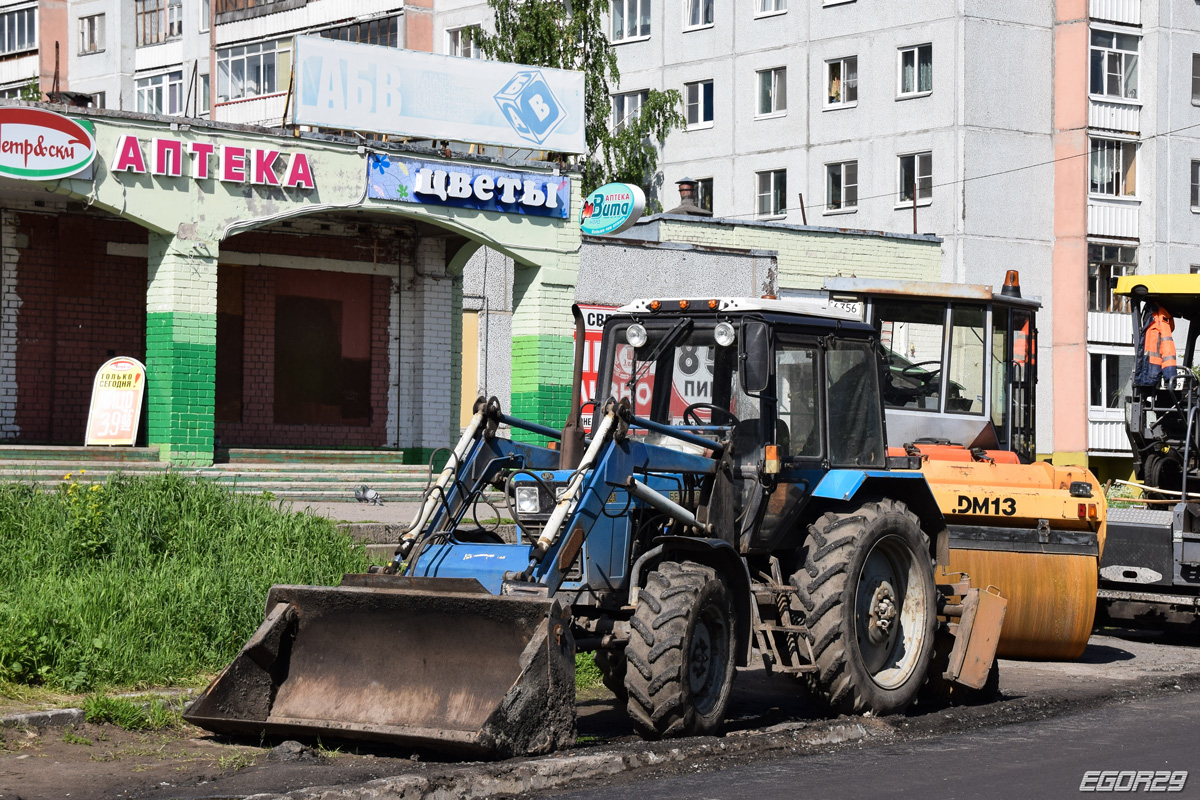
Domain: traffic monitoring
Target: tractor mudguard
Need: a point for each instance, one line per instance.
(720, 555)
(856, 485)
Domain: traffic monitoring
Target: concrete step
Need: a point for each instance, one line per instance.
(237, 455)
(75, 455)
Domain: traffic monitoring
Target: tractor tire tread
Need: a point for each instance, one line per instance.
(657, 701)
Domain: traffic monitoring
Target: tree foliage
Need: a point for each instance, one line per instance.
(549, 33)
(32, 91)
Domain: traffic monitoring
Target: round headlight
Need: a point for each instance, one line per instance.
(724, 334)
(635, 334)
(527, 500)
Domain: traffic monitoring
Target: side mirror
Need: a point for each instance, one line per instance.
(754, 356)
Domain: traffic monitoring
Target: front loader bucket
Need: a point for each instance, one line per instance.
(424, 662)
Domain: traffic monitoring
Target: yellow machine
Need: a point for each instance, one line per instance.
(960, 392)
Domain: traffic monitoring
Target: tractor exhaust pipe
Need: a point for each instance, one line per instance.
(572, 433)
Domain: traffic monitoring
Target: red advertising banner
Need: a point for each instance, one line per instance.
(691, 377)
(116, 402)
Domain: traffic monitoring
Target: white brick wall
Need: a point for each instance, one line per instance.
(426, 402)
(182, 275)
(10, 303)
(393, 399)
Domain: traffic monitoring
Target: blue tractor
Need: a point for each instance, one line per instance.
(729, 497)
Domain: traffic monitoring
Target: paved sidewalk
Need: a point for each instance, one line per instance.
(398, 513)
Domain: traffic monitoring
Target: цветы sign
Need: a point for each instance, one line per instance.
(234, 163)
(37, 145)
(116, 402)
(443, 183)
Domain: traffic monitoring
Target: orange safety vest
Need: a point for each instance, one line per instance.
(1158, 348)
(1024, 349)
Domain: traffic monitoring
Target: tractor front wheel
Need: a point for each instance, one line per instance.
(870, 608)
(680, 656)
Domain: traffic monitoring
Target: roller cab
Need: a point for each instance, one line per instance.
(960, 378)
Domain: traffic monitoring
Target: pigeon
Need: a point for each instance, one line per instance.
(365, 494)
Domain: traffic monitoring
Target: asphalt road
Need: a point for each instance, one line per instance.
(1044, 759)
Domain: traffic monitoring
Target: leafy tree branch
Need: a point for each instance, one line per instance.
(549, 33)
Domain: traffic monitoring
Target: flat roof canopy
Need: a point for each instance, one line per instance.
(1179, 294)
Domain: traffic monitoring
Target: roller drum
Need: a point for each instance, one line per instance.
(1051, 599)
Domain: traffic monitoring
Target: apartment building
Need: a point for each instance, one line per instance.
(1061, 139)
(227, 60)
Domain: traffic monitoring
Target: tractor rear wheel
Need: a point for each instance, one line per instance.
(870, 608)
(680, 656)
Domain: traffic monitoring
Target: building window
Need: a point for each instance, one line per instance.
(460, 42)
(205, 88)
(1113, 169)
(160, 94)
(916, 70)
(771, 193)
(772, 92)
(704, 197)
(765, 7)
(252, 70)
(626, 107)
(697, 13)
(1110, 372)
(91, 34)
(1114, 65)
(1196, 78)
(1106, 263)
(98, 100)
(698, 104)
(841, 186)
(1196, 186)
(18, 30)
(157, 21)
(205, 15)
(841, 82)
(916, 171)
(383, 31)
(630, 19)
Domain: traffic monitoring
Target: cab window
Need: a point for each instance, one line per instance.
(798, 426)
(855, 415)
(912, 336)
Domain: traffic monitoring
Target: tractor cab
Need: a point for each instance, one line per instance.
(961, 366)
(793, 383)
(1164, 392)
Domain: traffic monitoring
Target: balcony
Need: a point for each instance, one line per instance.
(1107, 437)
(234, 10)
(19, 69)
(1127, 12)
(266, 110)
(1105, 328)
(1113, 217)
(1113, 115)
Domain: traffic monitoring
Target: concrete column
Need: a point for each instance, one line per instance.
(11, 242)
(427, 405)
(542, 346)
(1069, 258)
(181, 348)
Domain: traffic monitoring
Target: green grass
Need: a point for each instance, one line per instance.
(146, 581)
(587, 674)
(70, 737)
(130, 714)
